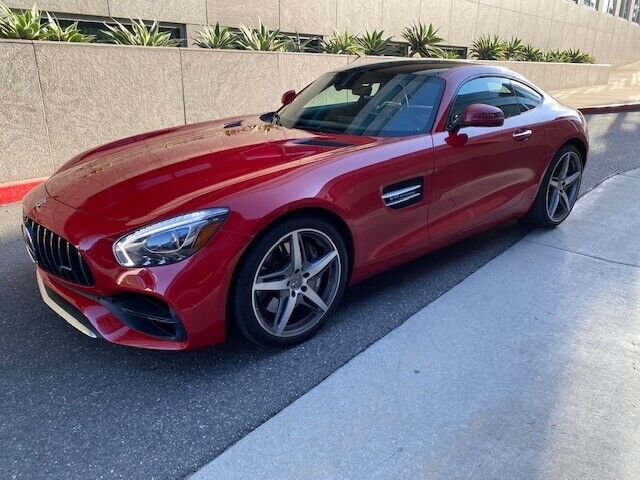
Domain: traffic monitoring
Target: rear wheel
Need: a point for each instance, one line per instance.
(559, 190)
(289, 282)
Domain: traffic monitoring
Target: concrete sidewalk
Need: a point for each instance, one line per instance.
(623, 88)
(529, 368)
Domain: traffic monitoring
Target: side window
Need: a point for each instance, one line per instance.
(494, 91)
(527, 97)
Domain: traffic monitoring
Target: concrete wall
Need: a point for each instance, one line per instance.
(548, 24)
(57, 99)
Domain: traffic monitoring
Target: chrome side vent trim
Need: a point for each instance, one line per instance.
(403, 194)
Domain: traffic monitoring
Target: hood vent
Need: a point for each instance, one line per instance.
(322, 143)
(237, 123)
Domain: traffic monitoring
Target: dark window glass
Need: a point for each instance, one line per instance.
(387, 102)
(527, 97)
(494, 91)
(625, 9)
(95, 28)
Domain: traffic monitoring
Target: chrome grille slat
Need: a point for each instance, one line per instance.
(57, 256)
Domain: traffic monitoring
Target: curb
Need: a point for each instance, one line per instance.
(15, 191)
(614, 108)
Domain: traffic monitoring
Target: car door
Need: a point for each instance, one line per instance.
(480, 172)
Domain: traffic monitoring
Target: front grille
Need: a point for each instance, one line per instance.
(56, 255)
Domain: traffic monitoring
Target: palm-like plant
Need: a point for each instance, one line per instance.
(513, 49)
(532, 54)
(342, 43)
(139, 34)
(374, 43)
(215, 37)
(423, 40)
(578, 56)
(54, 32)
(296, 43)
(487, 47)
(261, 39)
(26, 25)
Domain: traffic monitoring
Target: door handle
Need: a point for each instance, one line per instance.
(521, 135)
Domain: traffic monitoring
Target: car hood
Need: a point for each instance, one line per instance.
(176, 169)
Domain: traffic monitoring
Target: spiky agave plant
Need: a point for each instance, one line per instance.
(342, 43)
(423, 40)
(215, 37)
(513, 49)
(578, 56)
(449, 55)
(532, 54)
(487, 47)
(25, 24)
(374, 43)
(139, 34)
(296, 43)
(555, 56)
(261, 39)
(54, 32)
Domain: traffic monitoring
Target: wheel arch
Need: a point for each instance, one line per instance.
(302, 211)
(580, 145)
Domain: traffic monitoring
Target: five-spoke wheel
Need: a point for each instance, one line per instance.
(559, 190)
(298, 272)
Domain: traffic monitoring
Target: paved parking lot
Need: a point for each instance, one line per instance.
(72, 407)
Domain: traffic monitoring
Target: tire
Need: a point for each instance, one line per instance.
(259, 313)
(540, 215)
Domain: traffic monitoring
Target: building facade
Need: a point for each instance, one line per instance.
(607, 29)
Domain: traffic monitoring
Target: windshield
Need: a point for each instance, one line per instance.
(386, 103)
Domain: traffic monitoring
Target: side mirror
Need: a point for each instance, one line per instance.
(480, 115)
(288, 97)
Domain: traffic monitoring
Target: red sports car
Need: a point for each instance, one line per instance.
(163, 239)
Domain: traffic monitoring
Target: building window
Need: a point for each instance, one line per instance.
(636, 13)
(595, 4)
(610, 6)
(625, 8)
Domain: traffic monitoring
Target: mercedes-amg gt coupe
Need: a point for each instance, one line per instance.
(167, 239)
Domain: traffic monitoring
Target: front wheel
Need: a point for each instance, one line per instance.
(559, 190)
(289, 282)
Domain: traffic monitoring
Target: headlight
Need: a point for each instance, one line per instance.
(169, 241)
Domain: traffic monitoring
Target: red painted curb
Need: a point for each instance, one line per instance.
(616, 108)
(15, 191)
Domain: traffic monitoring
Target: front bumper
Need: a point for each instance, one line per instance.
(171, 307)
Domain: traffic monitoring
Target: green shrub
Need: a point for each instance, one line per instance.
(215, 37)
(342, 43)
(296, 43)
(488, 47)
(423, 40)
(139, 34)
(261, 39)
(578, 56)
(25, 25)
(449, 54)
(532, 54)
(374, 43)
(556, 56)
(513, 49)
(54, 32)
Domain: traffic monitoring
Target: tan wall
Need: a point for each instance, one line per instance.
(57, 99)
(548, 24)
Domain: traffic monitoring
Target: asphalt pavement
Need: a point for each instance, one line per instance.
(73, 407)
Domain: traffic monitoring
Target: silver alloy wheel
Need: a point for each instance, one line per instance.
(564, 186)
(296, 282)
